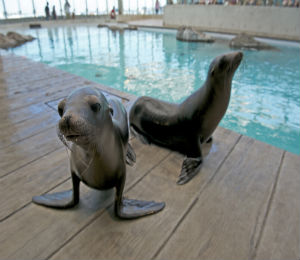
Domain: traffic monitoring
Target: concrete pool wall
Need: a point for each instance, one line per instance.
(265, 21)
(262, 21)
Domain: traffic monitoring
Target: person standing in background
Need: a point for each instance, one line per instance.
(157, 6)
(47, 11)
(67, 9)
(113, 13)
(53, 13)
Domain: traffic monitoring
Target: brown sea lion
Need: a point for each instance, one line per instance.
(98, 131)
(186, 126)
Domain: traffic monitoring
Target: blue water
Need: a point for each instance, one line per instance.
(265, 99)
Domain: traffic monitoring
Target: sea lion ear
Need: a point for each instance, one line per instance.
(61, 107)
(212, 71)
(111, 111)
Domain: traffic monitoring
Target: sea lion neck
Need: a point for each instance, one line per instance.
(102, 137)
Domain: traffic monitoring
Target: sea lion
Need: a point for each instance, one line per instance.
(184, 127)
(98, 132)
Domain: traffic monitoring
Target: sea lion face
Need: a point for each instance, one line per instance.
(223, 68)
(83, 114)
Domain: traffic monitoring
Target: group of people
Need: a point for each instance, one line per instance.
(47, 12)
(67, 8)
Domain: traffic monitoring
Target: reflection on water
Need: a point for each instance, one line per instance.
(265, 101)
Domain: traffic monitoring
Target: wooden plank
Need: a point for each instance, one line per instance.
(18, 84)
(16, 92)
(16, 132)
(37, 94)
(10, 62)
(140, 239)
(281, 236)
(228, 215)
(22, 82)
(33, 179)
(22, 153)
(52, 91)
(36, 232)
(10, 117)
(29, 76)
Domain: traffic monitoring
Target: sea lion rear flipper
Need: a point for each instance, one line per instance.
(130, 208)
(130, 155)
(60, 200)
(190, 168)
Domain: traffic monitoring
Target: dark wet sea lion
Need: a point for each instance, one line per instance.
(98, 130)
(186, 126)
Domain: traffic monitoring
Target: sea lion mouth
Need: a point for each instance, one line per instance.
(235, 62)
(74, 137)
(238, 58)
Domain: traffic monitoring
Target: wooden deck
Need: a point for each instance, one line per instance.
(244, 204)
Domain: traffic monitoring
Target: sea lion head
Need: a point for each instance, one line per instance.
(223, 67)
(84, 114)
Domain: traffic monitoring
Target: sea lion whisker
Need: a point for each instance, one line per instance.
(62, 138)
(67, 146)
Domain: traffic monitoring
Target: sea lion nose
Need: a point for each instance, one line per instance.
(67, 120)
(239, 55)
(64, 122)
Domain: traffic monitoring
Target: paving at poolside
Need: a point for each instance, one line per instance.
(244, 204)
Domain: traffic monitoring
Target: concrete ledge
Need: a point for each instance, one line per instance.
(13, 24)
(271, 22)
(127, 17)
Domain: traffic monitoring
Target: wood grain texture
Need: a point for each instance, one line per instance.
(9, 117)
(18, 188)
(28, 150)
(226, 221)
(17, 132)
(140, 239)
(281, 236)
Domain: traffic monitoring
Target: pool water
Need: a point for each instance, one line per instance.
(265, 98)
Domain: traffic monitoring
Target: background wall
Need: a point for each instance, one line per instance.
(267, 21)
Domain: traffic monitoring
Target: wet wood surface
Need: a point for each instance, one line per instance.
(242, 205)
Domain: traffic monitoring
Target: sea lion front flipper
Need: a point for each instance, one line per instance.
(60, 200)
(129, 208)
(130, 155)
(190, 168)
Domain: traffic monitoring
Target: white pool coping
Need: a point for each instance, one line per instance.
(227, 36)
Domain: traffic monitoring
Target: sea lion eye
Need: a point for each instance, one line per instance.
(96, 107)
